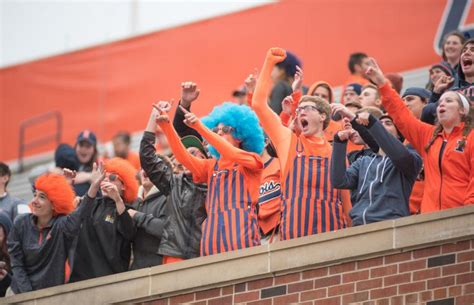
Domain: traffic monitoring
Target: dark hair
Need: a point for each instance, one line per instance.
(355, 59)
(5, 171)
(445, 38)
(468, 120)
(289, 64)
(124, 136)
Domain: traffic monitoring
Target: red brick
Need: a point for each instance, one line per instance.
(346, 267)
(302, 286)
(396, 301)
(198, 303)
(315, 273)
(246, 296)
(465, 278)
(369, 284)
(426, 296)
(327, 281)
(382, 271)
(285, 299)
(314, 294)
(368, 263)
(399, 257)
(306, 303)
(261, 302)
(159, 302)
(465, 256)
(184, 298)
(207, 294)
(341, 289)
(411, 266)
(369, 303)
(287, 278)
(383, 292)
(355, 276)
(329, 301)
(440, 293)
(468, 289)
(383, 302)
(412, 287)
(260, 283)
(455, 291)
(460, 246)
(426, 274)
(228, 290)
(441, 282)
(427, 252)
(240, 287)
(411, 298)
(220, 301)
(355, 297)
(456, 269)
(465, 300)
(397, 279)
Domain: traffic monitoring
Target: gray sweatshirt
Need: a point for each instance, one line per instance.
(382, 183)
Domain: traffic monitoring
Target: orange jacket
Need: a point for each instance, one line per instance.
(451, 184)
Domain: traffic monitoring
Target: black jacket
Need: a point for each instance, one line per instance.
(383, 183)
(104, 244)
(182, 231)
(149, 222)
(38, 256)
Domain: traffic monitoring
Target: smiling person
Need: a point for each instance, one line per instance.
(86, 152)
(451, 49)
(104, 243)
(447, 149)
(39, 242)
(311, 204)
(233, 176)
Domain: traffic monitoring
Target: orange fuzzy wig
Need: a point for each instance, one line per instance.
(126, 172)
(59, 192)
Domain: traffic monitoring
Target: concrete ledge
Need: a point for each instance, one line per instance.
(284, 257)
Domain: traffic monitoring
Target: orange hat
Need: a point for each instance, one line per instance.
(126, 172)
(59, 192)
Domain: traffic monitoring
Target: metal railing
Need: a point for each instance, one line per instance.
(53, 115)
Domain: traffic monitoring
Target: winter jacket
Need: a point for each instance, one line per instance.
(181, 128)
(13, 206)
(448, 166)
(149, 221)
(383, 183)
(38, 256)
(182, 231)
(104, 243)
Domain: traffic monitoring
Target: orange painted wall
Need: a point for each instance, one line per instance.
(111, 87)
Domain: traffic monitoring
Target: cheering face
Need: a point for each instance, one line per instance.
(449, 109)
(322, 93)
(368, 98)
(84, 151)
(435, 74)
(115, 180)
(452, 47)
(467, 60)
(310, 120)
(415, 104)
(41, 206)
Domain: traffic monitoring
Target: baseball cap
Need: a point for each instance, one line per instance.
(193, 141)
(88, 136)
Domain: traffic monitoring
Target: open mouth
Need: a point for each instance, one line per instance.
(304, 123)
(467, 62)
(442, 110)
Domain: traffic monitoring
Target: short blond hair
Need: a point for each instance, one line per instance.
(321, 105)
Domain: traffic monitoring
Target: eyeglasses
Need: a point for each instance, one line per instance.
(225, 129)
(306, 108)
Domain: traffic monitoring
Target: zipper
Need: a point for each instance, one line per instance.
(440, 158)
(40, 237)
(370, 190)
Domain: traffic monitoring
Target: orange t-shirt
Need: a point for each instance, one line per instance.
(269, 201)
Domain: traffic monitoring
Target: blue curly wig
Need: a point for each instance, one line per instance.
(245, 122)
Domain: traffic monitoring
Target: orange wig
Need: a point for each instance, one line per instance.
(59, 192)
(127, 173)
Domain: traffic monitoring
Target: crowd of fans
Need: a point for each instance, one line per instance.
(282, 161)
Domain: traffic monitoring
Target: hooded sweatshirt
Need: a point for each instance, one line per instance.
(382, 183)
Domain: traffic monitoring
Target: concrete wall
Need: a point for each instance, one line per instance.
(414, 260)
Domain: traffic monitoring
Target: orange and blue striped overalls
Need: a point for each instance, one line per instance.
(311, 205)
(231, 221)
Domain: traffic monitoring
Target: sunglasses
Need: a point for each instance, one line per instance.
(306, 108)
(114, 177)
(225, 129)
